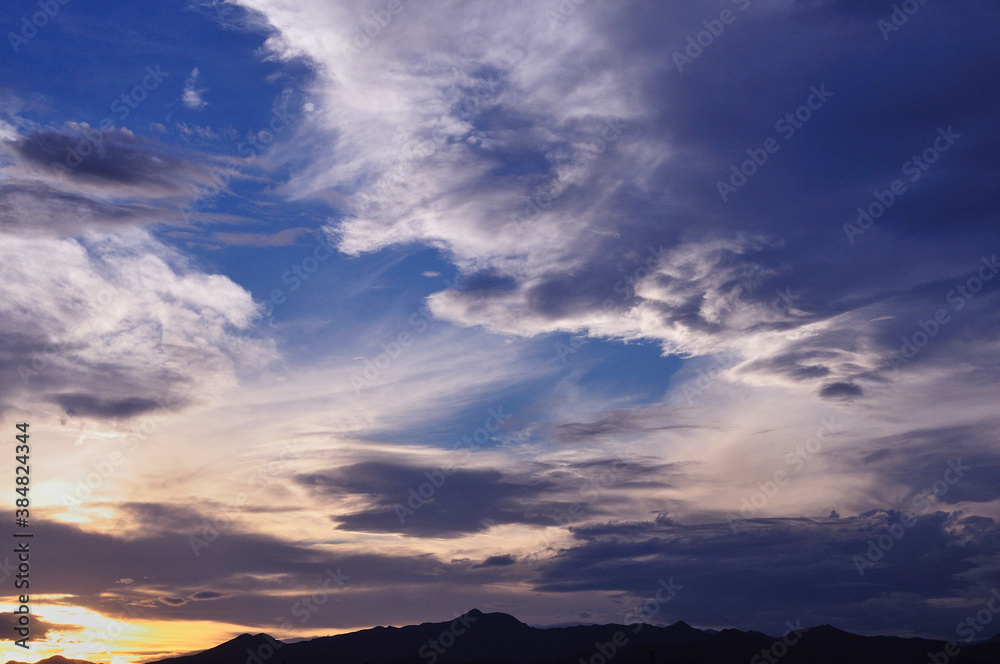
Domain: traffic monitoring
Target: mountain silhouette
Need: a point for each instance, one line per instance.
(499, 638)
(55, 659)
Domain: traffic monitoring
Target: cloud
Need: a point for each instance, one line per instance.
(87, 405)
(266, 583)
(588, 207)
(615, 424)
(841, 391)
(282, 238)
(569, 172)
(113, 158)
(40, 629)
(126, 325)
(192, 96)
(506, 560)
(65, 182)
(467, 501)
(937, 465)
(204, 133)
(940, 555)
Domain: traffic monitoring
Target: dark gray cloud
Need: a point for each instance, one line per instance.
(773, 570)
(116, 156)
(38, 205)
(427, 502)
(946, 465)
(840, 391)
(506, 560)
(89, 405)
(39, 628)
(66, 182)
(174, 601)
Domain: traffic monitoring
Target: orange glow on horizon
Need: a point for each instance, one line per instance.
(81, 633)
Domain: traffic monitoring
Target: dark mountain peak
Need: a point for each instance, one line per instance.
(496, 619)
(826, 631)
(731, 637)
(55, 659)
(247, 640)
(681, 629)
(732, 631)
(233, 650)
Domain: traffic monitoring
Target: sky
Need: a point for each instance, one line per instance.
(333, 314)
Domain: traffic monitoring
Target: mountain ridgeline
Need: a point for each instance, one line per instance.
(498, 638)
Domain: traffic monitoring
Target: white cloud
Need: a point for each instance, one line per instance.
(192, 96)
(93, 325)
(205, 133)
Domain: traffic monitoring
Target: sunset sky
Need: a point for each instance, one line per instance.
(420, 306)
